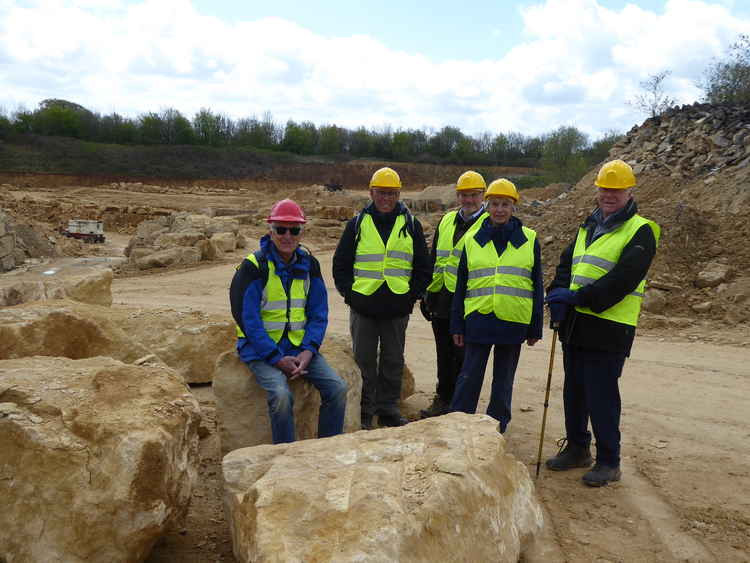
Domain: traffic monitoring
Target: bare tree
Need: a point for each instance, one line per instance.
(653, 100)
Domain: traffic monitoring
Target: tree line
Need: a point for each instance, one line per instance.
(565, 153)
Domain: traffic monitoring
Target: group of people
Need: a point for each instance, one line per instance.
(481, 288)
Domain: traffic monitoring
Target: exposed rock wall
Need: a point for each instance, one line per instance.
(7, 245)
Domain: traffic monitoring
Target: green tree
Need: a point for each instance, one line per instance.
(599, 149)
(212, 129)
(728, 81)
(300, 138)
(562, 154)
(361, 142)
(332, 139)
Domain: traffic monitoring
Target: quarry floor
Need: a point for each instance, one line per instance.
(685, 435)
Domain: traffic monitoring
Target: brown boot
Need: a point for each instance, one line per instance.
(437, 408)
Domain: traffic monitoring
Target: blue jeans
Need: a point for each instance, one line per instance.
(469, 383)
(281, 401)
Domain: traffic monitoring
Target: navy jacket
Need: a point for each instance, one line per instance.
(488, 329)
(246, 291)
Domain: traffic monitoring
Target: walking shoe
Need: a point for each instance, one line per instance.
(392, 420)
(367, 422)
(601, 474)
(570, 456)
(437, 408)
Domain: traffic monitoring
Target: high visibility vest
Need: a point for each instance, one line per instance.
(500, 284)
(447, 255)
(279, 310)
(375, 262)
(592, 262)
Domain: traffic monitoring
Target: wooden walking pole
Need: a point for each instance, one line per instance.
(546, 397)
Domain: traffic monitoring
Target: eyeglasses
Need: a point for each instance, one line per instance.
(294, 231)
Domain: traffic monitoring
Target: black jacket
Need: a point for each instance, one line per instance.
(383, 304)
(587, 331)
(439, 302)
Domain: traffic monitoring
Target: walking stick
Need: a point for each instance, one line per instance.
(546, 397)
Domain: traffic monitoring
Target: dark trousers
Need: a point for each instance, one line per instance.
(469, 384)
(378, 346)
(450, 358)
(591, 390)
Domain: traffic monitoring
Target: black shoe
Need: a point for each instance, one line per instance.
(392, 420)
(601, 474)
(367, 422)
(437, 408)
(570, 456)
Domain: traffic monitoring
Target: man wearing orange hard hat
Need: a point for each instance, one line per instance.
(280, 305)
(596, 299)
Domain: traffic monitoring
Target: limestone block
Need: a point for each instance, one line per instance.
(63, 329)
(189, 348)
(207, 248)
(180, 238)
(7, 263)
(435, 490)
(95, 288)
(225, 242)
(713, 274)
(169, 257)
(242, 410)
(241, 241)
(99, 458)
(23, 292)
(7, 244)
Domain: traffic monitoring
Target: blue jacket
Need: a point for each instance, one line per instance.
(488, 329)
(246, 292)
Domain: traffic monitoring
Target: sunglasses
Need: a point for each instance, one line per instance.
(294, 231)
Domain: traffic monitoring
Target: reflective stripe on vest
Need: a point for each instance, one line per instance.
(592, 262)
(278, 310)
(375, 262)
(500, 284)
(447, 255)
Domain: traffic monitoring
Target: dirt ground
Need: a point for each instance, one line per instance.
(686, 395)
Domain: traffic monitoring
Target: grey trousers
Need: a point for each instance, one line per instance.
(381, 373)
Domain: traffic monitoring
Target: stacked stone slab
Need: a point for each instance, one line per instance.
(689, 141)
(7, 245)
(182, 238)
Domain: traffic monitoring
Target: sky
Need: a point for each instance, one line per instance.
(497, 66)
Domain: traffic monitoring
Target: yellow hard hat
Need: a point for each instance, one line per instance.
(502, 187)
(385, 178)
(615, 174)
(470, 180)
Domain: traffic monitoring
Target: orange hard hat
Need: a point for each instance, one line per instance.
(286, 211)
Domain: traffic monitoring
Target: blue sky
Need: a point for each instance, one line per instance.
(528, 66)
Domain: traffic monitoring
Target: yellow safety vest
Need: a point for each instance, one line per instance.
(500, 284)
(375, 262)
(592, 262)
(277, 309)
(447, 255)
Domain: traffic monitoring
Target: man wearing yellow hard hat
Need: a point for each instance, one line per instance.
(498, 302)
(447, 245)
(596, 299)
(381, 267)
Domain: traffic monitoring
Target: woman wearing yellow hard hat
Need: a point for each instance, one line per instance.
(498, 302)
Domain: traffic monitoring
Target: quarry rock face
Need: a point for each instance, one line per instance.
(97, 458)
(242, 408)
(442, 489)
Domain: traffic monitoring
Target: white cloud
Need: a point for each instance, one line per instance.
(577, 64)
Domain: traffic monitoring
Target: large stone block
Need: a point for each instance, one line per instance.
(97, 458)
(242, 408)
(442, 489)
